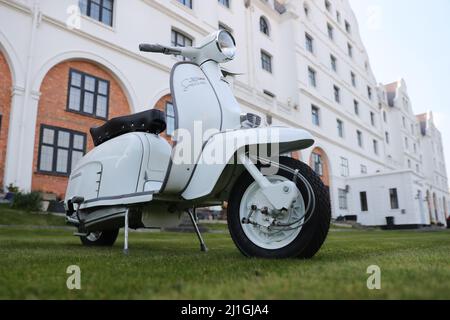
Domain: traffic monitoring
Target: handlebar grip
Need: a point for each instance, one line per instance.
(156, 48)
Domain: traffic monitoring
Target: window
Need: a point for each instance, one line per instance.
(225, 3)
(369, 93)
(340, 128)
(353, 79)
(266, 61)
(88, 95)
(363, 169)
(360, 138)
(406, 143)
(348, 27)
(264, 26)
(333, 63)
(315, 112)
(363, 201)
(312, 77)
(327, 5)
(60, 150)
(345, 172)
(338, 16)
(170, 119)
(187, 3)
(100, 10)
(317, 164)
(180, 40)
(394, 199)
(337, 94)
(356, 107)
(384, 116)
(350, 49)
(375, 147)
(343, 203)
(269, 119)
(372, 118)
(309, 43)
(388, 138)
(330, 31)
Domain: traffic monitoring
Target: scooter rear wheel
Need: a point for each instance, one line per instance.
(105, 238)
(311, 211)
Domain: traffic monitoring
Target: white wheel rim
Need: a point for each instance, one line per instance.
(262, 237)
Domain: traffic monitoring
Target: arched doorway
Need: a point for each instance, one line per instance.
(320, 164)
(5, 110)
(75, 96)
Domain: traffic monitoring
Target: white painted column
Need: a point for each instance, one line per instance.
(19, 156)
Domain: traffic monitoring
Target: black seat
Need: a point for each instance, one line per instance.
(151, 121)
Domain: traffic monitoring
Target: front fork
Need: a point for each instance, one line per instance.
(281, 195)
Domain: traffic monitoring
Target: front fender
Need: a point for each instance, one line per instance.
(222, 147)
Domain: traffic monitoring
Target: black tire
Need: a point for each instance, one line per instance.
(313, 233)
(104, 239)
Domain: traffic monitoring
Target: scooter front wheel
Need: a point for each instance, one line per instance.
(105, 238)
(260, 231)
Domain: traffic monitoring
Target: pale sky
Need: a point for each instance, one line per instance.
(410, 39)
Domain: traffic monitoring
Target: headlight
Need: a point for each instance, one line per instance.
(226, 44)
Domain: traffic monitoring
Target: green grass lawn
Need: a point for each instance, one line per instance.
(33, 262)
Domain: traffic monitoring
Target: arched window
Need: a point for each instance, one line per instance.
(264, 26)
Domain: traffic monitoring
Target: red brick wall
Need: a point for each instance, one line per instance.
(52, 111)
(5, 106)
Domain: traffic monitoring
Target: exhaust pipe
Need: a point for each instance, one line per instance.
(73, 221)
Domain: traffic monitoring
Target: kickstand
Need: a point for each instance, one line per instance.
(125, 244)
(193, 216)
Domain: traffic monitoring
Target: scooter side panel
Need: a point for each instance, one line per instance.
(210, 167)
(197, 110)
(108, 172)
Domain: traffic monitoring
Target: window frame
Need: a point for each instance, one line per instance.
(55, 147)
(185, 36)
(183, 2)
(83, 91)
(309, 43)
(174, 117)
(363, 201)
(225, 3)
(315, 110)
(264, 63)
(101, 8)
(393, 199)
(343, 199)
(312, 77)
(264, 27)
(345, 167)
(340, 128)
(316, 156)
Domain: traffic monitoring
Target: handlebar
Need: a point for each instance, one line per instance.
(157, 48)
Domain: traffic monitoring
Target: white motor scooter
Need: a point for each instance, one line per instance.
(277, 206)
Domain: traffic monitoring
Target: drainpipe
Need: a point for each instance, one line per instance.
(36, 19)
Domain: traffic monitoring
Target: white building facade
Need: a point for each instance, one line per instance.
(303, 64)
